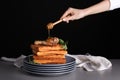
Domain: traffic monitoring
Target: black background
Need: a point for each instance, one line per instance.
(25, 21)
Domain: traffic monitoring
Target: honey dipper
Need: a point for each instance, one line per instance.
(51, 25)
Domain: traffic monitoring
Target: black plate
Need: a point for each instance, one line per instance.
(29, 60)
(47, 73)
(48, 69)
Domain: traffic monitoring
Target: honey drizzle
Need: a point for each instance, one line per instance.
(48, 32)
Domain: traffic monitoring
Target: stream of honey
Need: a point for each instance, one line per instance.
(48, 32)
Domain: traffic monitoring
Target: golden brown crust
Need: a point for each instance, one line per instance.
(61, 52)
(49, 57)
(47, 48)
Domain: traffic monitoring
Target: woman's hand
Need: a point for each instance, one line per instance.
(72, 14)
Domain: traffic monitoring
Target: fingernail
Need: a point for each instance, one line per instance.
(63, 19)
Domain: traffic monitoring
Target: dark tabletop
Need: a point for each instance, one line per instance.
(10, 72)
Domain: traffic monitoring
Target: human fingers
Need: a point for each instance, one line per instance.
(66, 16)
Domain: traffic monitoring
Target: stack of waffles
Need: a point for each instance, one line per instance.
(49, 51)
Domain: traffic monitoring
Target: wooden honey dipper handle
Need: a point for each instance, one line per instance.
(59, 21)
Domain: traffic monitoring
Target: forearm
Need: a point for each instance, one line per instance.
(97, 8)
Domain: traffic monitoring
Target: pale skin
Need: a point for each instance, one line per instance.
(75, 14)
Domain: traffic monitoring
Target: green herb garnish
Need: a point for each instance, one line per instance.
(63, 43)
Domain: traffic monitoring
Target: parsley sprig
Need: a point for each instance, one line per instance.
(63, 43)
